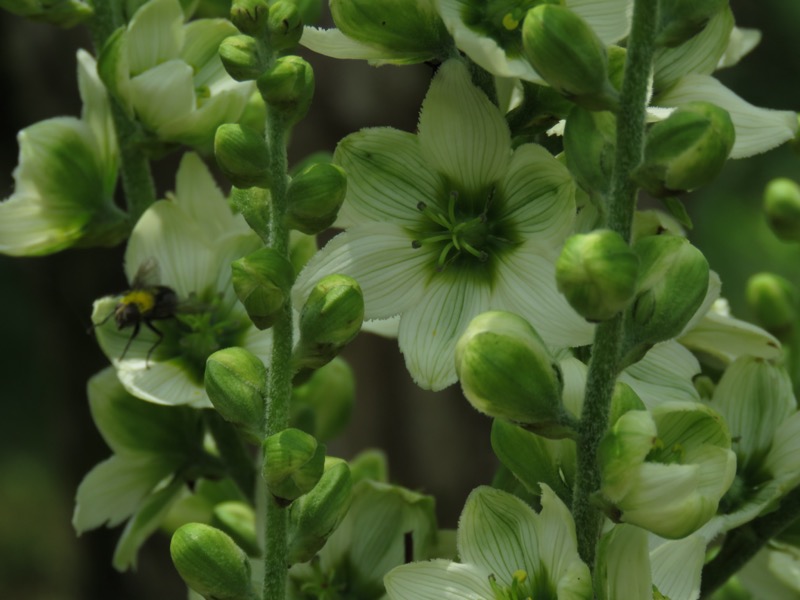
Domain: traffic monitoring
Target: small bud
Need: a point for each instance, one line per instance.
(322, 405)
(506, 371)
(238, 521)
(287, 87)
(242, 156)
(567, 53)
(64, 13)
(774, 300)
(243, 57)
(210, 562)
(680, 20)
(782, 206)
(315, 196)
(250, 16)
(285, 25)
(686, 150)
(623, 400)
(597, 273)
(293, 463)
(330, 319)
(262, 281)
(235, 381)
(316, 515)
(590, 144)
(370, 464)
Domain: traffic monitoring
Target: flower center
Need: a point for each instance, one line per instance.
(499, 20)
(518, 590)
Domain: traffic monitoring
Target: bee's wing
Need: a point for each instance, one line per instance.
(147, 274)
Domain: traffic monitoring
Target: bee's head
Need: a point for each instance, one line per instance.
(126, 314)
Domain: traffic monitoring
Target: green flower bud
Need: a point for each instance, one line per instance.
(597, 273)
(262, 281)
(253, 205)
(567, 53)
(315, 196)
(210, 562)
(242, 155)
(236, 384)
(293, 463)
(285, 25)
(590, 144)
(774, 300)
(680, 20)
(782, 206)
(624, 399)
(673, 280)
(287, 87)
(322, 405)
(330, 319)
(686, 150)
(506, 370)
(411, 30)
(244, 57)
(238, 521)
(64, 13)
(316, 515)
(250, 16)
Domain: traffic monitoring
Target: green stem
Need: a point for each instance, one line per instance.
(280, 373)
(743, 543)
(604, 364)
(137, 180)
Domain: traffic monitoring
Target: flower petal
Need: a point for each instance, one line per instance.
(165, 382)
(462, 133)
(757, 129)
(665, 373)
(333, 43)
(155, 34)
(96, 113)
(430, 328)
(740, 44)
(727, 338)
(164, 93)
(379, 256)
(610, 19)
(438, 580)
(28, 228)
(202, 40)
(677, 565)
(387, 177)
(558, 547)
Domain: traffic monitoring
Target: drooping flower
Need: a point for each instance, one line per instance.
(449, 223)
(190, 239)
(507, 550)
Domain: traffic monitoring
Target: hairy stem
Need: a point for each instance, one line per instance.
(604, 364)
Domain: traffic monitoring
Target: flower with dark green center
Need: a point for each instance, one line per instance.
(449, 223)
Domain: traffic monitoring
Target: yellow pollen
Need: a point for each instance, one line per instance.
(509, 22)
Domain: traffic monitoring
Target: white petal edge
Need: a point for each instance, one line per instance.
(333, 43)
(438, 580)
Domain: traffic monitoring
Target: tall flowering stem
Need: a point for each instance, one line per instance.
(604, 363)
(280, 371)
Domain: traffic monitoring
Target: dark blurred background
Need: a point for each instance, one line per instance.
(436, 443)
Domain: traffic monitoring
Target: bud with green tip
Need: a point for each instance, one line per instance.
(567, 53)
(782, 206)
(64, 13)
(686, 150)
(315, 196)
(316, 515)
(597, 273)
(243, 57)
(590, 144)
(263, 280)
(236, 384)
(242, 156)
(288, 87)
(238, 521)
(774, 299)
(330, 319)
(322, 405)
(211, 563)
(680, 20)
(250, 16)
(506, 371)
(293, 463)
(285, 25)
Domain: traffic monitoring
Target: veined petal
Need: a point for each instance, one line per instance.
(163, 382)
(462, 133)
(526, 285)
(783, 460)
(97, 114)
(430, 328)
(539, 196)
(740, 44)
(155, 34)
(438, 580)
(379, 256)
(665, 373)
(499, 532)
(610, 19)
(163, 93)
(333, 43)
(757, 129)
(387, 177)
(623, 564)
(28, 228)
(202, 40)
(676, 567)
(727, 338)
(558, 546)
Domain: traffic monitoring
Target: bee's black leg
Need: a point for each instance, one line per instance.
(130, 339)
(160, 339)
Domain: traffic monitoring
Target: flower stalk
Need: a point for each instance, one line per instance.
(604, 364)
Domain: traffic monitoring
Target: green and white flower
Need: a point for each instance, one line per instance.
(169, 74)
(65, 179)
(449, 223)
(507, 551)
(191, 239)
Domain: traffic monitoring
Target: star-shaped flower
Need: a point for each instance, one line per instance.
(449, 223)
